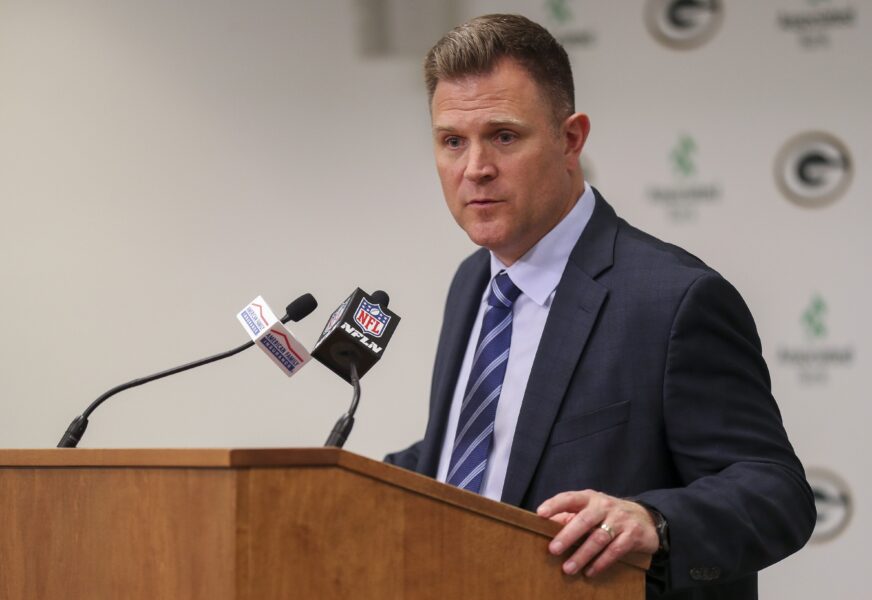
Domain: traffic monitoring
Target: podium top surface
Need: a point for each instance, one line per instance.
(172, 457)
(245, 458)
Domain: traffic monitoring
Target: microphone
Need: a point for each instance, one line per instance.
(295, 311)
(352, 342)
(271, 336)
(356, 334)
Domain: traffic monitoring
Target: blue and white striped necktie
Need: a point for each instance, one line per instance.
(475, 427)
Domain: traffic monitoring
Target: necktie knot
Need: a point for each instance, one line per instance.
(503, 292)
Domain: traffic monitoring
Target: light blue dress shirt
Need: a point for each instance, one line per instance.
(537, 274)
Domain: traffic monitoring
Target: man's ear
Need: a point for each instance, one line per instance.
(576, 128)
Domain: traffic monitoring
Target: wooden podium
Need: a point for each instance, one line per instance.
(262, 524)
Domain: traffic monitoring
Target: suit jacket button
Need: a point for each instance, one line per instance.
(705, 573)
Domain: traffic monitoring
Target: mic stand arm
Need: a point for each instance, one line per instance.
(77, 428)
(343, 426)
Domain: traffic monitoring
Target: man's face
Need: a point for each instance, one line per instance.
(508, 173)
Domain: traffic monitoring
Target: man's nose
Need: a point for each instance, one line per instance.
(480, 165)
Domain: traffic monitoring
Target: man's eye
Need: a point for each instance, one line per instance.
(452, 141)
(506, 137)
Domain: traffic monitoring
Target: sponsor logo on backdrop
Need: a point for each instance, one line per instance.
(813, 169)
(562, 21)
(683, 198)
(816, 357)
(814, 22)
(833, 501)
(683, 24)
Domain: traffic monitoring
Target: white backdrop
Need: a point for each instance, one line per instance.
(162, 163)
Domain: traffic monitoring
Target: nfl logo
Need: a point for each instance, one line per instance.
(371, 318)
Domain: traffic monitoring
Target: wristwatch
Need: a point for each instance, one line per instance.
(662, 527)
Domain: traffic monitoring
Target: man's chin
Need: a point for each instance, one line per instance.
(491, 240)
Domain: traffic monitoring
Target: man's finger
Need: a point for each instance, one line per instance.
(620, 546)
(562, 518)
(607, 557)
(565, 502)
(598, 540)
(579, 526)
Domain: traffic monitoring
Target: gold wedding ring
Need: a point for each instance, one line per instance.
(608, 530)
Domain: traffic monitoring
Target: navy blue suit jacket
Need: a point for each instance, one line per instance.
(648, 384)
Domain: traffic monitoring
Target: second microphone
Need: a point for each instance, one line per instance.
(357, 333)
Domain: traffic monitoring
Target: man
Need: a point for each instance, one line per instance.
(586, 370)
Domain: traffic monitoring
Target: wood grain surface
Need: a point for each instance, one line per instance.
(116, 533)
(266, 523)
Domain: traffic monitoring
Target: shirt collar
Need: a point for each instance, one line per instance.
(538, 272)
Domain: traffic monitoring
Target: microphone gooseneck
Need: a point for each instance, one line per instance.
(342, 428)
(295, 311)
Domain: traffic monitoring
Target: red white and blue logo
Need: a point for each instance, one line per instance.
(371, 318)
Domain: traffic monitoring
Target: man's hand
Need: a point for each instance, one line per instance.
(613, 527)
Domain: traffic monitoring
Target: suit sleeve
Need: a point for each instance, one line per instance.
(407, 459)
(745, 503)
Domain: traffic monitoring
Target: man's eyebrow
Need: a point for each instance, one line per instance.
(506, 122)
(493, 123)
(443, 129)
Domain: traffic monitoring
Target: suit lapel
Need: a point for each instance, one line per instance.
(462, 306)
(577, 303)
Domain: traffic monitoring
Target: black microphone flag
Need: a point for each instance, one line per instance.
(357, 332)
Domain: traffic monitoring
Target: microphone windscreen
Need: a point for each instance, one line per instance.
(301, 308)
(380, 297)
